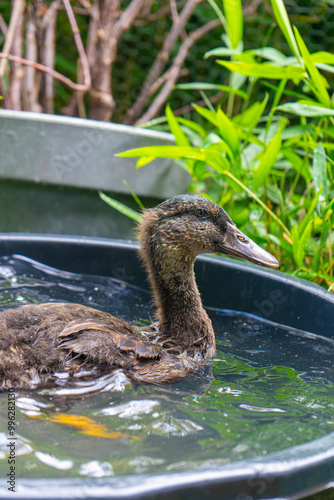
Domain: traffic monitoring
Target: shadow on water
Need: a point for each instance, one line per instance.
(269, 388)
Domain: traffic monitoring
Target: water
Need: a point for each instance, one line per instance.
(269, 388)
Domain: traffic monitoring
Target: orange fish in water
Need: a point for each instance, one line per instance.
(84, 425)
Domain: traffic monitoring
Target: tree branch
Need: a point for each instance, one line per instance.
(128, 16)
(18, 8)
(15, 79)
(41, 67)
(103, 49)
(31, 87)
(161, 60)
(174, 71)
(251, 8)
(49, 27)
(79, 45)
(3, 26)
(154, 16)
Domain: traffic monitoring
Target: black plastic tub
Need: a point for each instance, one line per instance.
(292, 473)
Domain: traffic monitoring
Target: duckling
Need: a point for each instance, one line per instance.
(37, 341)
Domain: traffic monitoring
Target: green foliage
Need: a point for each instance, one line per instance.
(123, 209)
(270, 162)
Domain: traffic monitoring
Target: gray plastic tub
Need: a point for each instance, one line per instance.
(292, 473)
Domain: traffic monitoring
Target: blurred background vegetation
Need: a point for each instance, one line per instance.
(255, 132)
(140, 45)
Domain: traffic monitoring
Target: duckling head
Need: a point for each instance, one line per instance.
(190, 225)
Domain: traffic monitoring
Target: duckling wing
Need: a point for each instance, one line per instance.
(108, 344)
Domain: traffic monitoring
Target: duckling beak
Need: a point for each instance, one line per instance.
(237, 244)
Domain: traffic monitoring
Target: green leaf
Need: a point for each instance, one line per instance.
(212, 158)
(221, 52)
(120, 207)
(308, 216)
(297, 163)
(180, 137)
(191, 125)
(144, 161)
(300, 243)
(215, 159)
(295, 245)
(234, 21)
(319, 172)
(134, 196)
(249, 118)
(299, 109)
(284, 23)
(267, 161)
(317, 80)
(211, 86)
(295, 131)
(265, 70)
(163, 152)
(323, 58)
(304, 239)
(228, 132)
(272, 54)
(207, 114)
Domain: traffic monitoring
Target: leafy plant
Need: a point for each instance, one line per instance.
(269, 162)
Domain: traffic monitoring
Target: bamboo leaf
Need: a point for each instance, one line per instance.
(195, 127)
(295, 245)
(267, 161)
(300, 243)
(308, 216)
(120, 207)
(296, 162)
(259, 201)
(180, 137)
(210, 156)
(307, 110)
(134, 196)
(319, 173)
(317, 80)
(234, 21)
(322, 58)
(207, 114)
(284, 23)
(265, 70)
(211, 86)
(163, 152)
(228, 132)
(144, 161)
(249, 118)
(272, 54)
(221, 52)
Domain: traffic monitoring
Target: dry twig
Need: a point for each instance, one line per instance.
(17, 12)
(3, 26)
(15, 79)
(78, 42)
(161, 60)
(48, 54)
(30, 95)
(173, 72)
(49, 71)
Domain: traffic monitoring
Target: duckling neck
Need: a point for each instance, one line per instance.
(183, 323)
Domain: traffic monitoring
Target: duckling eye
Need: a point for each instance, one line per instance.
(242, 238)
(201, 212)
